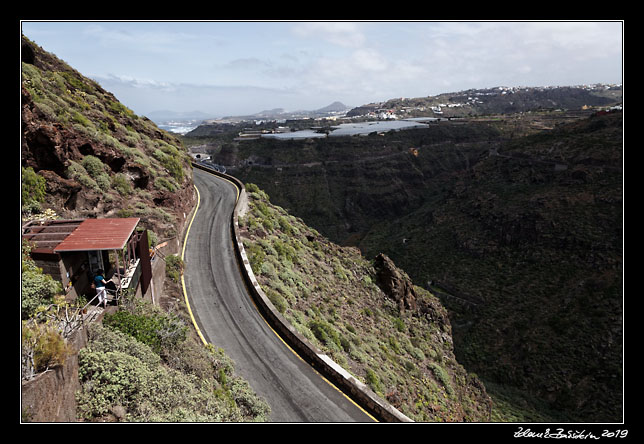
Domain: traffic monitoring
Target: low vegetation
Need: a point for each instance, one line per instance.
(141, 364)
(37, 289)
(329, 294)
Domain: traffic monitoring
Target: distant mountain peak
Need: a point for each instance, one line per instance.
(334, 107)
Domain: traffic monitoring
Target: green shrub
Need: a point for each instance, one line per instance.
(268, 270)
(174, 167)
(339, 270)
(442, 376)
(285, 251)
(188, 382)
(120, 109)
(75, 82)
(285, 226)
(252, 188)
(97, 171)
(174, 267)
(393, 343)
(162, 183)
(37, 288)
(417, 353)
(105, 339)
(263, 208)
(277, 300)
(33, 187)
(267, 223)
(326, 334)
(77, 172)
(79, 118)
(373, 381)
(156, 331)
(109, 379)
(121, 184)
(103, 181)
(45, 344)
(46, 108)
(249, 404)
(93, 165)
(170, 162)
(256, 257)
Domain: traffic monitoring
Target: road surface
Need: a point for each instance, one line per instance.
(228, 318)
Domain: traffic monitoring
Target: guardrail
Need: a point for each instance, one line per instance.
(342, 379)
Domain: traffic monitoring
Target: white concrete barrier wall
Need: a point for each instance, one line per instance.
(346, 382)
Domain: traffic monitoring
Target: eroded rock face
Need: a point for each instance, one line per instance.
(395, 283)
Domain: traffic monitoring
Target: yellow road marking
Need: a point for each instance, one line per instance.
(254, 304)
(183, 282)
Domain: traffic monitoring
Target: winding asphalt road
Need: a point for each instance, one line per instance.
(227, 318)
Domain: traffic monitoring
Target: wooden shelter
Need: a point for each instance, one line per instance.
(72, 251)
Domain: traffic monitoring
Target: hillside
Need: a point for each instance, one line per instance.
(367, 316)
(501, 100)
(86, 155)
(97, 157)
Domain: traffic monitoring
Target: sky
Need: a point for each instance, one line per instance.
(225, 68)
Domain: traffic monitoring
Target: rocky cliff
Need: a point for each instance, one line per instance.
(531, 236)
(343, 185)
(97, 157)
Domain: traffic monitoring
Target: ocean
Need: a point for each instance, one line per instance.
(179, 127)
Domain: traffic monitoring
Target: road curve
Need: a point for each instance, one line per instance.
(227, 317)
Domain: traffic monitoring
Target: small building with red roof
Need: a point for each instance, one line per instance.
(73, 252)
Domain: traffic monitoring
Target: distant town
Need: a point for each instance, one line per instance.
(448, 105)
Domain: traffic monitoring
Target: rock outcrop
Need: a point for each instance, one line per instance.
(395, 283)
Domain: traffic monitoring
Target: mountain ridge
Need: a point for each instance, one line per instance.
(497, 100)
(280, 113)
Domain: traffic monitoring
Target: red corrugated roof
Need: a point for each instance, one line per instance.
(99, 234)
(46, 235)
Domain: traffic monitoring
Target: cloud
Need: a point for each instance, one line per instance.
(487, 54)
(249, 63)
(369, 60)
(144, 38)
(344, 34)
(135, 82)
(361, 76)
(144, 96)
